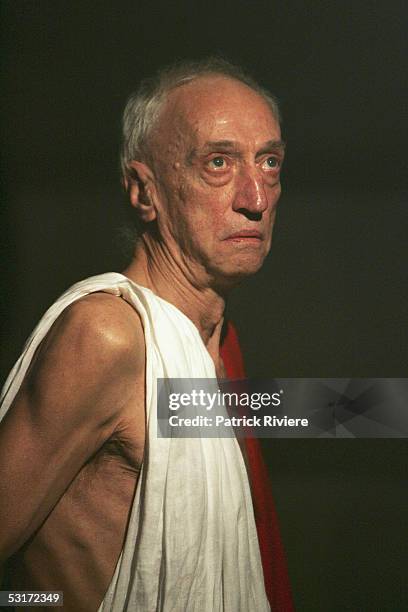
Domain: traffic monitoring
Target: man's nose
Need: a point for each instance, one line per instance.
(250, 197)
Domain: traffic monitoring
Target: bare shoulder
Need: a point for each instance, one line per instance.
(94, 351)
(108, 312)
(85, 375)
(100, 325)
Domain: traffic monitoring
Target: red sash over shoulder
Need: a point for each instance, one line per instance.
(273, 555)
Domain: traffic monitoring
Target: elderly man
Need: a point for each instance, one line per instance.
(94, 504)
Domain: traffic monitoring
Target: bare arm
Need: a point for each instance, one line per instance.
(70, 403)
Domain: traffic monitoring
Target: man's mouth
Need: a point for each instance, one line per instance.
(246, 236)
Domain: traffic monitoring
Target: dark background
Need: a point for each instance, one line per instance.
(331, 300)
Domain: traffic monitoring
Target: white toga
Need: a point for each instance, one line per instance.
(191, 543)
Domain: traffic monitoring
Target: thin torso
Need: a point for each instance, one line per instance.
(77, 547)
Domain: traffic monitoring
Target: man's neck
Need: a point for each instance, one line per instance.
(202, 305)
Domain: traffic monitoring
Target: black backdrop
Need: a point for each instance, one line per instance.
(331, 300)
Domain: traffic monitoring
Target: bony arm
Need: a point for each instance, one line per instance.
(69, 405)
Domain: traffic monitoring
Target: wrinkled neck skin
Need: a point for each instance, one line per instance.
(183, 283)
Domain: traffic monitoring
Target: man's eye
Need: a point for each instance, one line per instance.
(271, 163)
(217, 163)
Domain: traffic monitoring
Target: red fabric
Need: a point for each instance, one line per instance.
(273, 555)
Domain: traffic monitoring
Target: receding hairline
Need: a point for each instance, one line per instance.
(217, 76)
(213, 75)
(169, 102)
(145, 105)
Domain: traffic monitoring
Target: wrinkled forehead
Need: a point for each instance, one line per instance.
(214, 108)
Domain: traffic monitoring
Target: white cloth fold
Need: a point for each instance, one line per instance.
(191, 543)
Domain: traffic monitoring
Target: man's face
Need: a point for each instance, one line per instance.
(217, 156)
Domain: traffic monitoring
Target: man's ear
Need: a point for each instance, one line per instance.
(139, 184)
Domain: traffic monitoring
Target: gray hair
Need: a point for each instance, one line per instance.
(143, 106)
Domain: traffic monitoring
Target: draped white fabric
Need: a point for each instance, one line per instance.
(191, 543)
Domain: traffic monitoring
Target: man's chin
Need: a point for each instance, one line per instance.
(230, 274)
